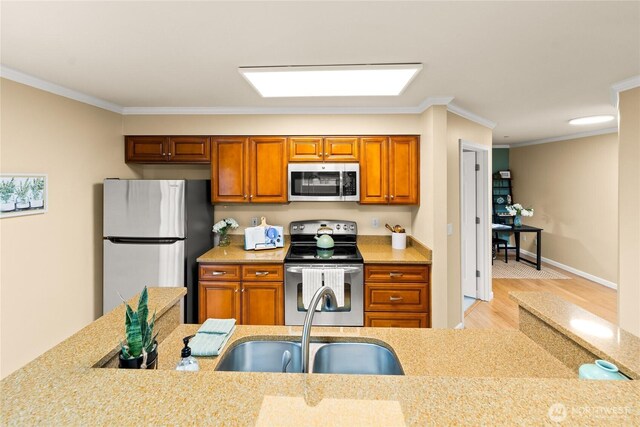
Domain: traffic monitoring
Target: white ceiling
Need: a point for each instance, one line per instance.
(528, 66)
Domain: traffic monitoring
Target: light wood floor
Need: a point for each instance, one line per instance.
(502, 312)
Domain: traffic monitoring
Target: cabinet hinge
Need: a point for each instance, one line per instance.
(477, 167)
(477, 273)
(477, 220)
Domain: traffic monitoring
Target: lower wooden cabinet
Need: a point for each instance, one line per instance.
(397, 296)
(256, 302)
(396, 320)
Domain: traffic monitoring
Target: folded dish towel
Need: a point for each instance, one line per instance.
(311, 282)
(334, 278)
(217, 326)
(209, 344)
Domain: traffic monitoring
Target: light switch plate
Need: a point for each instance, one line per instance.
(375, 222)
(254, 221)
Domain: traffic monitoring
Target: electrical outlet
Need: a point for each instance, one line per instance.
(524, 237)
(254, 221)
(449, 229)
(375, 222)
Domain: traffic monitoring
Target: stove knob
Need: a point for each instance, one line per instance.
(352, 227)
(295, 227)
(302, 227)
(338, 227)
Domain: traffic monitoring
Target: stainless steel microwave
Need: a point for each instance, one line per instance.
(319, 182)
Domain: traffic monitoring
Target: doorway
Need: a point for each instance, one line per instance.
(475, 262)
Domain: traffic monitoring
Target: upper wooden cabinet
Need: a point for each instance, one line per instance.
(247, 170)
(163, 149)
(328, 149)
(390, 170)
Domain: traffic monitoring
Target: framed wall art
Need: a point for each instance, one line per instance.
(23, 194)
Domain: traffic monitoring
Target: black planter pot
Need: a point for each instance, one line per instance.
(152, 360)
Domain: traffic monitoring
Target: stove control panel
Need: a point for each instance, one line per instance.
(311, 227)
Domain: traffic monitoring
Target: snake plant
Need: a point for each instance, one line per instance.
(139, 332)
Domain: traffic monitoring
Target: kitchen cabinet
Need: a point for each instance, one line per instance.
(167, 149)
(252, 293)
(397, 295)
(327, 149)
(249, 170)
(390, 170)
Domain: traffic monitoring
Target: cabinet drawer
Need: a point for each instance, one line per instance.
(396, 320)
(393, 297)
(222, 272)
(263, 273)
(396, 273)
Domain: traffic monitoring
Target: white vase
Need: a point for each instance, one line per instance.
(22, 204)
(8, 207)
(36, 203)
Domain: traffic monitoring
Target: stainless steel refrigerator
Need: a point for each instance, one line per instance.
(153, 232)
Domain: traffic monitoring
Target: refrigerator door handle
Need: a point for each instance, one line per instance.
(142, 241)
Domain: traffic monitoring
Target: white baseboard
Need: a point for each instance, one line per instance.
(575, 271)
(460, 326)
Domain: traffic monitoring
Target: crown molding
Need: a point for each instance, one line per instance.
(621, 86)
(500, 146)
(26, 79)
(470, 116)
(565, 137)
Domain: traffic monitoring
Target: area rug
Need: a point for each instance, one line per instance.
(521, 270)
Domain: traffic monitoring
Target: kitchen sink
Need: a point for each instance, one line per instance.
(262, 356)
(328, 358)
(356, 358)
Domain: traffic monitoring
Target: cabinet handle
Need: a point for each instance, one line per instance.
(262, 273)
(218, 273)
(251, 196)
(169, 154)
(242, 290)
(392, 196)
(395, 274)
(164, 154)
(245, 196)
(236, 291)
(386, 197)
(395, 298)
(326, 154)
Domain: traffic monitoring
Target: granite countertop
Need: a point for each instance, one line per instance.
(453, 377)
(597, 335)
(374, 249)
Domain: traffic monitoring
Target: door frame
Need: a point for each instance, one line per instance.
(483, 207)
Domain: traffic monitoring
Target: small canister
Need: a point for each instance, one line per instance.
(399, 240)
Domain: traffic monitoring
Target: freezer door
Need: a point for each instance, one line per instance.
(144, 208)
(129, 267)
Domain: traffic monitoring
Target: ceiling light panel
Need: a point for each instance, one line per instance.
(352, 80)
(591, 120)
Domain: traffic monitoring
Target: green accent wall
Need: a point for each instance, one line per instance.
(500, 159)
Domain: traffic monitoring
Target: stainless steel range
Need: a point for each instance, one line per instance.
(345, 255)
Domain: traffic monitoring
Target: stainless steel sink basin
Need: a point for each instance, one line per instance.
(262, 356)
(328, 358)
(356, 358)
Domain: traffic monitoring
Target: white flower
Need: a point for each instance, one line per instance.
(517, 209)
(224, 225)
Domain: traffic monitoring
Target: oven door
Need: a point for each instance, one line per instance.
(352, 314)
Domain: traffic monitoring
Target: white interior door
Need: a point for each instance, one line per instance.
(469, 230)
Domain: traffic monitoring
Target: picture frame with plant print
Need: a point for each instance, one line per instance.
(23, 194)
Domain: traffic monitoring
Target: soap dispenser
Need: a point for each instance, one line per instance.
(188, 362)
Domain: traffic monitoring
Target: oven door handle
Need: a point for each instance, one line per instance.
(346, 269)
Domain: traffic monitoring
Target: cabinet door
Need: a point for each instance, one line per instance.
(268, 169)
(146, 149)
(305, 149)
(219, 300)
(404, 173)
(373, 170)
(341, 149)
(396, 320)
(262, 303)
(230, 170)
(189, 149)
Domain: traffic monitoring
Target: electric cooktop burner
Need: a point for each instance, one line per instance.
(303, 243)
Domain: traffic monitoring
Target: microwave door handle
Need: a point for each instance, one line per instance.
(342, 195)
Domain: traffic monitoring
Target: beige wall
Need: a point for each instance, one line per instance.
(573, 187)
(281, 125)
(51, 264)
(629, 206)
(458, 128)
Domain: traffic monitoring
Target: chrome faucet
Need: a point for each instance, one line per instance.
(323, 292)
